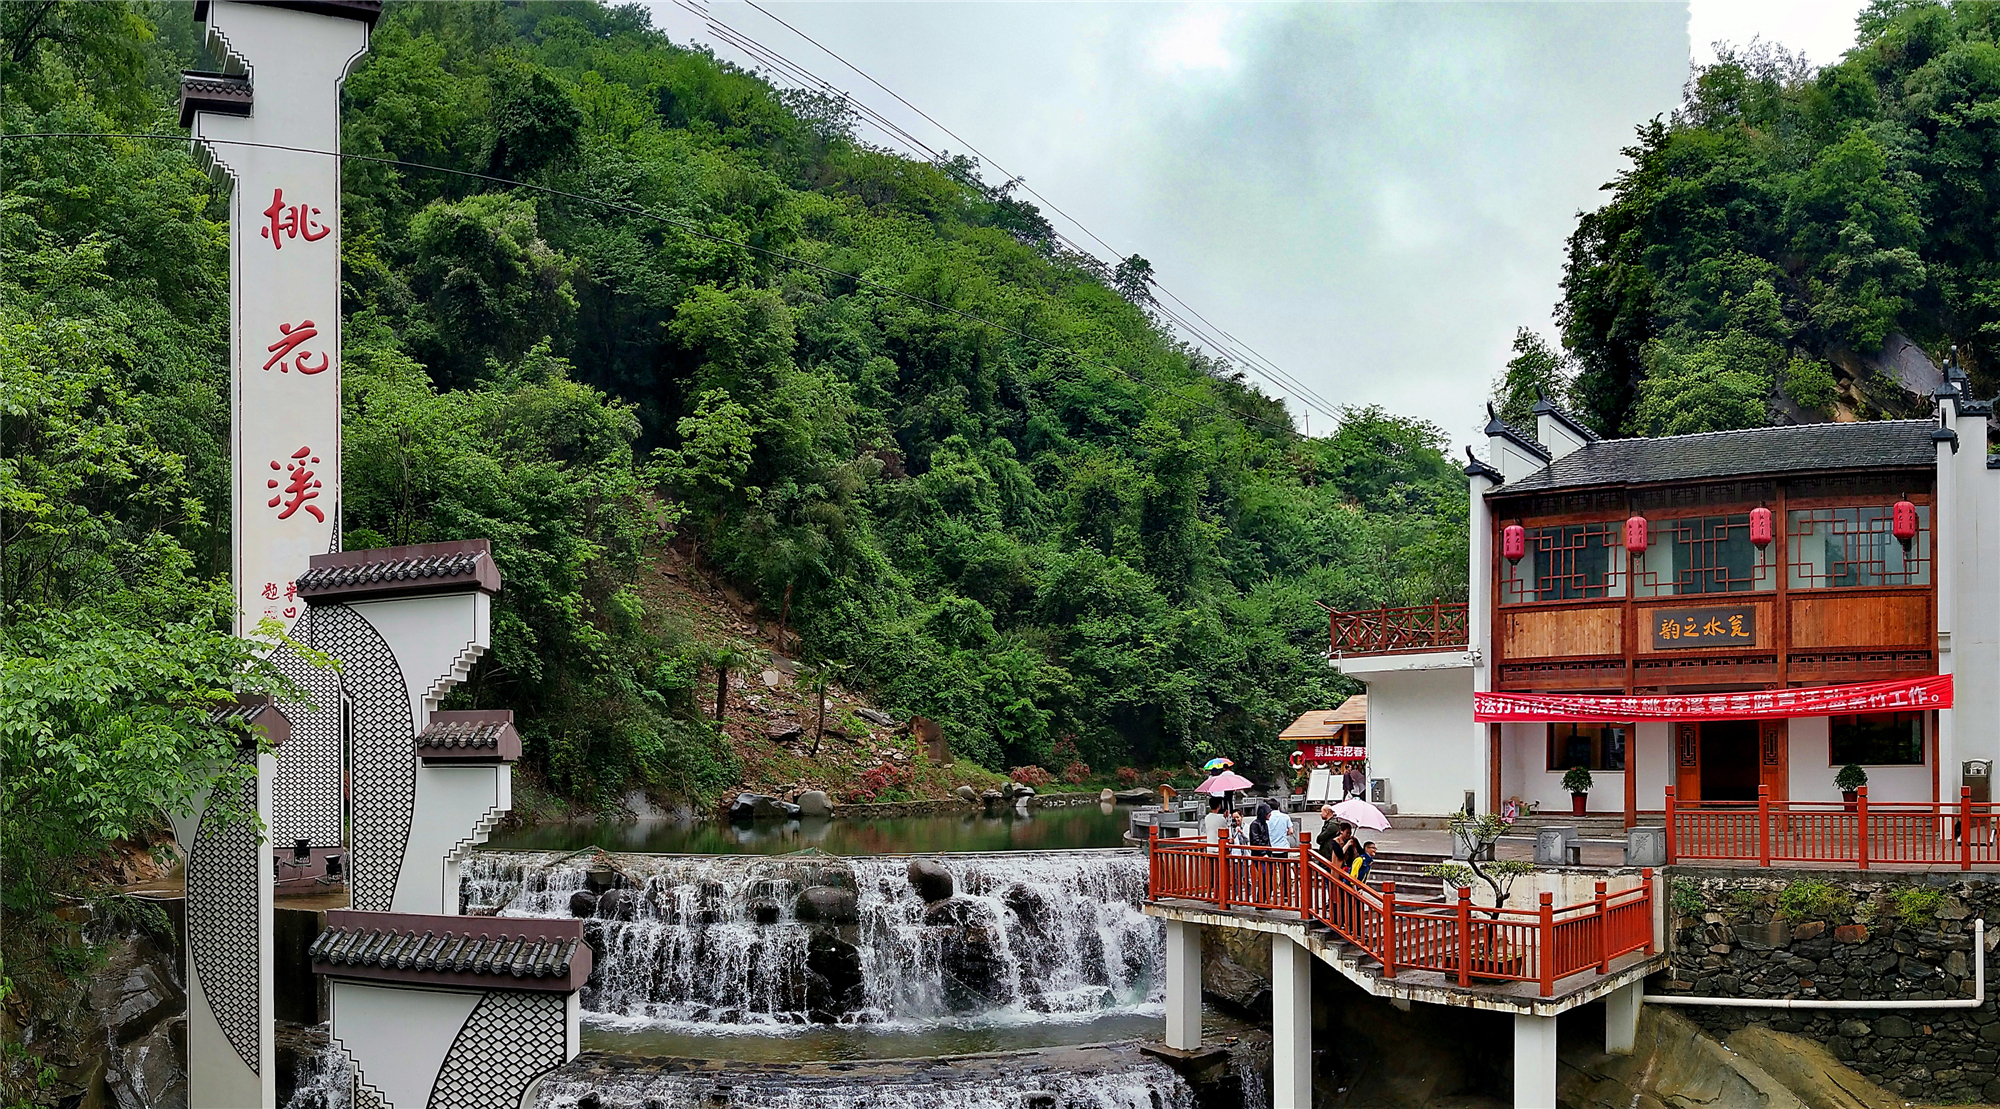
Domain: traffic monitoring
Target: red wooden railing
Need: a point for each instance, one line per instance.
(1539, 945)
(1859, 832)
(1387, 631)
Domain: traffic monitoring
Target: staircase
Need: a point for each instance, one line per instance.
(1406, 869)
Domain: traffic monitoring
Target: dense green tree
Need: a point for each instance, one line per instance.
(1786, 221)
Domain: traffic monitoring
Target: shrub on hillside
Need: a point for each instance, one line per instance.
(1031, 776)
(1128, 776)
(1076, 773)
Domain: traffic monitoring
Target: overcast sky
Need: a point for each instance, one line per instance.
(1373, 196)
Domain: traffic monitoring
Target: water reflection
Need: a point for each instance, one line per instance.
(1078, 826)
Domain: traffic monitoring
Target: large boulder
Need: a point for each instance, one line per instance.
(1136, 797)
(617, 904)
(828, 905)
(815, 802)
(582, 903)
(751, 807)
(874, 716)
(967, 794)
(833, 976)
(931, 880)
(972, 953)
(1809, 1070)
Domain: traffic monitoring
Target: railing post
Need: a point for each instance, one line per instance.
(1548, 944)
(1965, 827)
(1305, 874)
(1603, 933)
(1464, 936)
(1222, 870)
(1652, 937)
(1670, 825)
(1152, 862)
(1764, 826)
(1388, 929)
(1861, 827)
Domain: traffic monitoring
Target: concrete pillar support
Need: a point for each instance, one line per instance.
(1183, 985)
(1291, 1025)
(1621, 1019)
(1534, 1062)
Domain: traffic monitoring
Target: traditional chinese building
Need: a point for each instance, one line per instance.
(1708, 613)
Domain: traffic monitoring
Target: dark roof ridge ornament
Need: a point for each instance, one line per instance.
(1546, 407)
(1497, 426)
(1476, 467)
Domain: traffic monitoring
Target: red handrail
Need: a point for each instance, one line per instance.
(1541, 945)
(1859, 833)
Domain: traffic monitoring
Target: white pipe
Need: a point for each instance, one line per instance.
(1977, 999)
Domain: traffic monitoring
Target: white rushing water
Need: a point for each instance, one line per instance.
(716, 941)
(1151, 1086)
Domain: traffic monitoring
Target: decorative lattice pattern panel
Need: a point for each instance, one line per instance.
(223, 870)
(382, 751)
(307, 797)
(511, 1038)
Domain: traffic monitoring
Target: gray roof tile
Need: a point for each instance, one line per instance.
(1867, 445)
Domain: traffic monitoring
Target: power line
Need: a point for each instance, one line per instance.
(686, 227)
(1258, 364)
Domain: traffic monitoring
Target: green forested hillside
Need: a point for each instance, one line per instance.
(876, 394)
(1786, 221)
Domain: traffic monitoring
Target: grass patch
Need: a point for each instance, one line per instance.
(1907, 904)
(1686, 897)
(1813, 899)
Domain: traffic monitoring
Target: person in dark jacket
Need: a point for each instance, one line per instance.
(1260, 828)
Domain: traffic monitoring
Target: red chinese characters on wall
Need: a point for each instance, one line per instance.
(291, 338)
(301, 488)
(294, 221)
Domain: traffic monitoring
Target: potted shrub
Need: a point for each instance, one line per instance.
(1577, 782)
(1849, 782)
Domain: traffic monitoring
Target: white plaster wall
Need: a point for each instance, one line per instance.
(435, 639)
(1418, 738)
(1973, 540)
(1811, 777)
(1568, 886)
(1513, 461)
(398, 1037)
(1652, 758)
(1479, 601)
(1524, 773)
(457, 806)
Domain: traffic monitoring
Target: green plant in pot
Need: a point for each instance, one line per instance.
(1849, 781)
(1577, 782)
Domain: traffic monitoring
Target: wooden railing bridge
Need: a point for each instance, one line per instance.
(1437, 626)
(1463, 940)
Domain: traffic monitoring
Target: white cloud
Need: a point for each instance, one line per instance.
(1196, 41)
(1820, 29)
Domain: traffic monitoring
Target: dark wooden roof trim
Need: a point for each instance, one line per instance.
(466, 952)
(221, 93)
(367, 11)
(257, 712)
(470, 735)
(421, 569)
(1733, 455)
(1497, 426)
(1477, 467)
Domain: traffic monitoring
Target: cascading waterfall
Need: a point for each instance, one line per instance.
(747, 941)
(1147, 1086)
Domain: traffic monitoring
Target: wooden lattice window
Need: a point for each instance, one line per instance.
(1836, 547)
(1702, 554)
(1570, 562)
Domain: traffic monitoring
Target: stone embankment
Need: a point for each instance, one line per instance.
(1844, 935)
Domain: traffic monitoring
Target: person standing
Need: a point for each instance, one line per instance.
(1327, 842)
(1365, 861)
(1215, 824)
(1281, 828)
(1260, 827)
(1355, 781)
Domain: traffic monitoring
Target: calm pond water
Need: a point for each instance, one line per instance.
(1088, 825)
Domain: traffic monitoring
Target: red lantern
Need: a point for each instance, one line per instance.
(1903, 522)
(1514, 542)
(1635, 535)
(1760, 526)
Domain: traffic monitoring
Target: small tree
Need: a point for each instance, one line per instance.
(1577, 780)
(819, 675)
(725, 658)
(1478, 834)
(1850, 778)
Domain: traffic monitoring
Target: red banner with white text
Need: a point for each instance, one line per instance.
(1770, 704)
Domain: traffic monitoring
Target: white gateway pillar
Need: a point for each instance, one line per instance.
(1534, 1062)
(1291, 1025)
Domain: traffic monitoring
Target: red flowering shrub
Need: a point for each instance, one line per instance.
(1128, 776)
(877, 780)
(1031, 776)
(1076, 773)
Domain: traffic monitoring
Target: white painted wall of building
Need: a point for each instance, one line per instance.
(398, 1037)
(1418, 738)
(1652, 756)
(1973, 542)
(457, 806)
(1811, 775)
(436, 640)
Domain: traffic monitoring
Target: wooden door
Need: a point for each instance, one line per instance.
(1774, 759)
(1687, 761)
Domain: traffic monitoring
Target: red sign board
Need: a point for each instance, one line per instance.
(1772, 704)
(1328, 752)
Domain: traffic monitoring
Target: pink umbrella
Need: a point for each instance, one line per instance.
(1361, 814)
(1226, 781)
